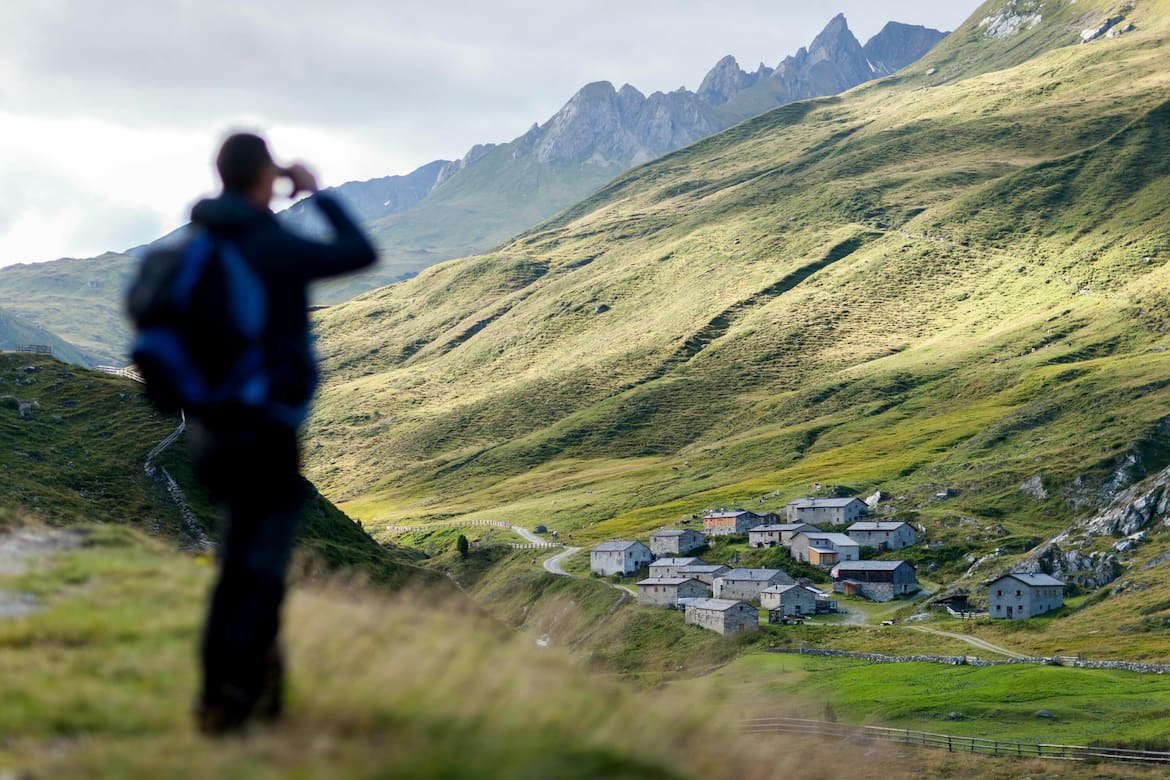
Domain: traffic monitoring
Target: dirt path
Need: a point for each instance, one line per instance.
(971, 640)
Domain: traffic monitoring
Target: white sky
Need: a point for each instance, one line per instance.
(110, 112)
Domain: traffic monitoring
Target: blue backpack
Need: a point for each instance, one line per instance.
(199, 313)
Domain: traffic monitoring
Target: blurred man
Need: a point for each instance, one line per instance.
(248, 455)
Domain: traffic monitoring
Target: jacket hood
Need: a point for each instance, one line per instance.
(228, 214)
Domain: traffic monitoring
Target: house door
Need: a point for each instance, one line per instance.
(1009, 613)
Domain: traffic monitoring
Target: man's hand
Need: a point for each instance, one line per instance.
(302, 180)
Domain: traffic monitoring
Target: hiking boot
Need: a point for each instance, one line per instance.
(270, 703)
(223, 714)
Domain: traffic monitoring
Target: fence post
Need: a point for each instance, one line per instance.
(950, 748)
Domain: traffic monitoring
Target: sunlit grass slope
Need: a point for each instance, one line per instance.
(99, 683)
(954, 281)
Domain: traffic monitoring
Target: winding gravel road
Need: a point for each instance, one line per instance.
(553, 565)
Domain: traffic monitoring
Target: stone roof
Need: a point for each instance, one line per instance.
(1036, 580)
(672, 532)
(666, 580)
(752, 575)
(703, 567)
(869, 565)
(832, 538)
(678, 562)
(780, 527)
(809, 503)
(719, 605)
(779, 588)
(729, 513)
(889, 526)
(614, 546)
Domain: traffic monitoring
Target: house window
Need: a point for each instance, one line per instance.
(999, 593)
(1018, 594)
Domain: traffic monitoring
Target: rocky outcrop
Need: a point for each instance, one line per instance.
(1014, 17)
(1128, 518)
(1133, 509)
(1087, 571)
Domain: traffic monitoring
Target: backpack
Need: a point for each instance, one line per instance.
(199, 313)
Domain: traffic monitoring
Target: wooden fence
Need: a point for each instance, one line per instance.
(448, 524)
(977, 745)
(129, 372)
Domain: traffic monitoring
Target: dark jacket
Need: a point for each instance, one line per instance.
(286, 263)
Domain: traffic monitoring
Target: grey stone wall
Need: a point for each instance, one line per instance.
(967, 660)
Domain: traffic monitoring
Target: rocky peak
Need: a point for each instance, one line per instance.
(629, 100)
(835, 37)
(898, 45)
(839, 49)
(473, 154)
(723, 81)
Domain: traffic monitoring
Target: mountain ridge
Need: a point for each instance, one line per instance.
(602, 131)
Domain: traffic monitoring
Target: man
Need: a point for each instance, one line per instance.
(247, 457)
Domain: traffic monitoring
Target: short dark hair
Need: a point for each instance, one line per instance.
(241, 161)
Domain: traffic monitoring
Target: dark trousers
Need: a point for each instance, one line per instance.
(252, 466)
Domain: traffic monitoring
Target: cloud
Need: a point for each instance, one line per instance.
(46, 215)
(372, 63)
(119, 105)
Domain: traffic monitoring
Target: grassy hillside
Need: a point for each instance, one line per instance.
(72, 448)
(946, 284)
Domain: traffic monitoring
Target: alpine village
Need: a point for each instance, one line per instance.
(814, 423)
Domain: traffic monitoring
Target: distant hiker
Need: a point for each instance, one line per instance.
(244, 436)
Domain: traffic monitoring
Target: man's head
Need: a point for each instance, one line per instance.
(246, 168)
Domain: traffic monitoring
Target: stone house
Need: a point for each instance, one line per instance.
(789, 600)
(819, 511)
(875, 580)
(746, 584)
(1021, 595)
(883, 536)
(703, 572)
(672, 567)
(776, 535)
(619, 557)
(676, 542)
(736, 521)
(666, 591)
(722, 616)
(823, 548)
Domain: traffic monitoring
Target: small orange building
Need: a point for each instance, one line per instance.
(726, 523)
